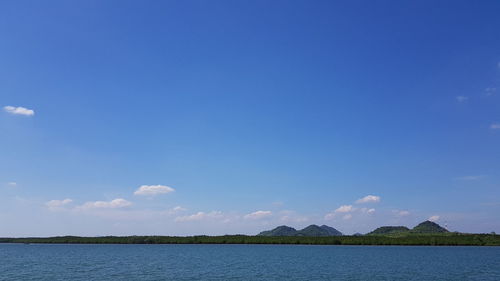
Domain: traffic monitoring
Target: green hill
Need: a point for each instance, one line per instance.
(429, 227)
(388, 230)
(313, 230)
(310, 231)
(282, 230)
(426, 227)
(332, 231)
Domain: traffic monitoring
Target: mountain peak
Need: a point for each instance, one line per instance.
(429, 227)
(387, 230)
(332, 231)
(311, 230)
(281, 230)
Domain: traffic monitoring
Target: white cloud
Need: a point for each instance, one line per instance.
(462, 98)
(340, 210)
(403, 213)
(344, 209)
(495, 126)
(369, 199)
(19, 110)
(433, 218)
(258, 215)
(348, 210)
(113, 204)
(176, 210)
(200, 216)
(12, 184)
(367, 211)
(153, 190)
(329, 216)
(57, 204)
(347, 217)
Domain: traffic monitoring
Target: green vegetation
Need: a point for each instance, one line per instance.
(313, 231)
(310, 231)
(282, 230)
(426, 227)
(445, 239)
(427, 233)
(390, 230)
(429, 227)
(331, 231)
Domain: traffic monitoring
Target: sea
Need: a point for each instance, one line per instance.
(53, 262)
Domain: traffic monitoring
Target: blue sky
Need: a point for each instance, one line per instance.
(215, 117)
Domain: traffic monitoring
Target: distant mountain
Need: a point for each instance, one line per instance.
(325, 230)
(312, 230)
(282, 230)
(385, 230)
(423, 228)
(428, 227)
(357, 234)
(332, 231)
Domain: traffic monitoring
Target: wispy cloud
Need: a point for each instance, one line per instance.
(57, 204)
(200, 216)
(433, 218)
(367, 210)
(12, 184)
(169, 212)
(153, 190)
(258, 215)
(19, 110)
(113, 204)
(495, 126)
(369, 199)
(177, 209)
(344, 209)
(347, 217)
(401, 213)
(347, 211)
(462, 98)
(490, 91)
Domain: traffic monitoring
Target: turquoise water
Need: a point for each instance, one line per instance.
(246, 262)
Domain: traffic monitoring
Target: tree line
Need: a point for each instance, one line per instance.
(414, 240)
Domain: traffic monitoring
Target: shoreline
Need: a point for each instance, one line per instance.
(368, 240)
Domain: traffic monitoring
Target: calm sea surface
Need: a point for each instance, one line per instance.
(246, 262)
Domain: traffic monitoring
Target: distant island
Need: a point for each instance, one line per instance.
(426, 233)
